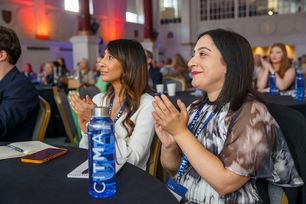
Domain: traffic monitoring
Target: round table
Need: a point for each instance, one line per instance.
(285, 101)
(48, 183)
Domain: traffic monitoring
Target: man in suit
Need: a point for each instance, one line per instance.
(19, 102)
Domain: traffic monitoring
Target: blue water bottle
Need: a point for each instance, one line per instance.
(101, 154)
(272, 84)
(299, 86)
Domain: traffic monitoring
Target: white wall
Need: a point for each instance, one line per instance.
(37, 52)
(61, 26)
(260, 31)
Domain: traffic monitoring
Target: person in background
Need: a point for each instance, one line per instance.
(155, 77)
(223, 142)
(179, 68)
(303, 63)
(124, 67)
(59, 76)
(102, 85)
(28, 71)
(257, 65)
(86, 75)
(19, 102)
(257, 68)
(40, 72)
(62, 65)
(166, 68)
(47, 75)
(279, 65)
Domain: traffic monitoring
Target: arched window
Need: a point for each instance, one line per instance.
(134, 11)
(73, 6)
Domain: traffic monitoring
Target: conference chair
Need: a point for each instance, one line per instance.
(293, 126)
(42, 120)
(63, 106)
(154, 156)
(180, 82)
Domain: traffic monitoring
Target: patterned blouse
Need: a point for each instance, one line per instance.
(249, 143)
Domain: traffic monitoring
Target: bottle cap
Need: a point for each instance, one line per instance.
(100, 111)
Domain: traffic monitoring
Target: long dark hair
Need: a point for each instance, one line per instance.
(237, 55)
(134, 78)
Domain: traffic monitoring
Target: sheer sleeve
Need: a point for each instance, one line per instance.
(248, 147)
(284, 172)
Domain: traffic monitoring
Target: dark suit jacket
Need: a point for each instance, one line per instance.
(19, 106)
(156, 76)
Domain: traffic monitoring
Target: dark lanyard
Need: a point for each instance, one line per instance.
(111, 106)
(196, 131)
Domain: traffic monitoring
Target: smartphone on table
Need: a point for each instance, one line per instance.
(43, 155)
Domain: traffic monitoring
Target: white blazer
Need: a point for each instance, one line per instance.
(136, 148)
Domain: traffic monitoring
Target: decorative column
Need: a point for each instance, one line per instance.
(148, 20)
(84, 45)
(84, 27)
(149, 41)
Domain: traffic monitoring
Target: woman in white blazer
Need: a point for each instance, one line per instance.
(124, 66)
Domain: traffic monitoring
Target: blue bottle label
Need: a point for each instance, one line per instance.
(102, 180)
(272, 84)
(299, 87)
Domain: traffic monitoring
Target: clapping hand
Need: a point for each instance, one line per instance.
(82, 107)
(166, 138)
(168, 118)
(267, 65)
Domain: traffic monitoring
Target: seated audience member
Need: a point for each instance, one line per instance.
(48, 75)
(18, 97)
(124, 66)
(155, 77)
(303, 63)
(279, 65)
(257, 66)
(86, 75)
(179, 69)
(63, 67)
(223, 142)
(59, 76)
(167, 68)
(28, 71)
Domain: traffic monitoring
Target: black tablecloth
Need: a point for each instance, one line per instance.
(288, 101)
(185, 96)
(48, 183)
